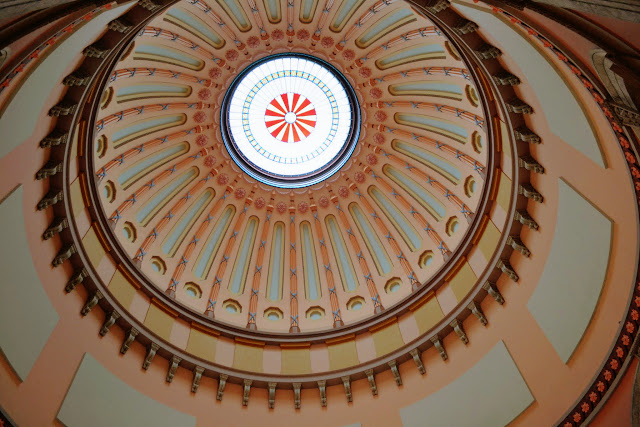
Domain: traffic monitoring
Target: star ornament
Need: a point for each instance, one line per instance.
(290, 117)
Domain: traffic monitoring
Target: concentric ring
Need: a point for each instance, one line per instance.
(290, 120)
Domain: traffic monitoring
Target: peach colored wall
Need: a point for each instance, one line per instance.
(555, 385)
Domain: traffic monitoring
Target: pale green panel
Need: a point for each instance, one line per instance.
(100, 399)
(27, 317)
(309, 263)
(567, 294)
(436, 163)
(174, 54)
(347, 273)
(180, 230)
(406, 230)
(239, 276)
(151, 208)
(25, 108)
(308, 10)
(422, 196)
(377, 251)
(274, 10)
(163, 121)
(276, 263)
(411, 54)
(558, 102)
(236, 13)
(165, 89)
(424, 122)
(426, 88)
(150, 163)
(384, 25)
(214, 242)
(346, 11)
(195, 26)
(477, 403)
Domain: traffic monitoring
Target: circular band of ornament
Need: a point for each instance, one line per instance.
(290, 120)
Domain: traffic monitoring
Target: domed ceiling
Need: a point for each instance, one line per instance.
(322, 198)
(243, 212)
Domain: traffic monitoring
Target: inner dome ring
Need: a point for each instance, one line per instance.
(290, 120)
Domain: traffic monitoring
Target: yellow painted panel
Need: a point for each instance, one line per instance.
(464, 279)
(504, 133)
(202, 345)
(428, 315)
(75, 193)
(387, 339)
(93, 247)
(504, 192)
(122, 289)
(343, 355)
(159, 322)
(248, 358)
(489, 240)
(296, 361)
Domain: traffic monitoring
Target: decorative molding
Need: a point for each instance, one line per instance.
(96, 51)
(57, 225)
(322, 386)
(77, 78)
(505, 78)
(477, 311)
(435, 6)
(272, 394)
(63, 108)
(222, 382)
(76, 279)
(296, 395)
(197, 375)
(151, 352)
(529, 192)
(516, 243)
(504, 266)
(52, 197)
(56, 137)
(346, 381)
(524, 218)
(457, 327)
(65, 253)
(92, 300)
(129, 338)
(109, 321)
(120, 25)
(464, 26)
(525, 134)
(393, 365)
(245, 391)
(438, 345)
(493, 291)
(173, 367)
(487, 51)
(49, 169)
(626, 115)
(518, 106)
(415, 354)
(529, 163)
(372, 381)
(150, 5)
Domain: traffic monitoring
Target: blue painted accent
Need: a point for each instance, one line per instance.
(179, 231)
(162, 197)
(214, 242)
(349, 281)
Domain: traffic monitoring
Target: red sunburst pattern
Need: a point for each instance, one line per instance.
(290, 117)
